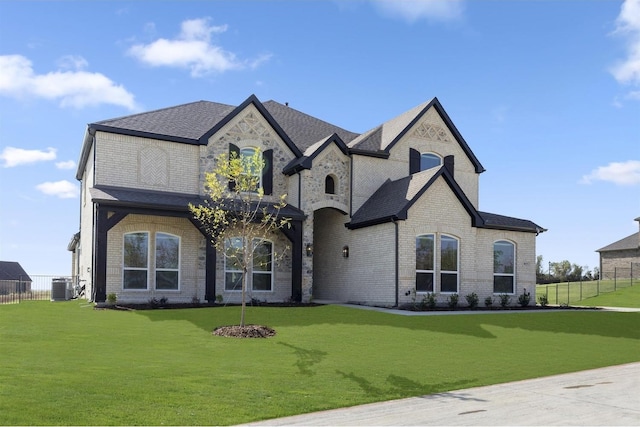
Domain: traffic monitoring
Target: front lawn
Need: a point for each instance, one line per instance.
(65, 363)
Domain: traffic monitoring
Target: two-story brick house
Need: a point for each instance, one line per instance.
(378, 218)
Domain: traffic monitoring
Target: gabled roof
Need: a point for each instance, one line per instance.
(306, 161)
(629, 242)
(380, 140)
(10, 270)
(391, 202)
(195, 122)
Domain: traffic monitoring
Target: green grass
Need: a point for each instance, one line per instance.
(625, 297)
(576, 292)
(65, 364)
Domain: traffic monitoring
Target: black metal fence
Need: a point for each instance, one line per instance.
(572, 292)
(40, 287)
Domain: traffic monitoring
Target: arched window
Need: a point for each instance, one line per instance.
(504, 271)
(329, 185)
(167, 261)
(419, 162)
(429, 160)
(135, 260)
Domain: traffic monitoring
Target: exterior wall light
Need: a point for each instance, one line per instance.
(345, 251)
(309, 249)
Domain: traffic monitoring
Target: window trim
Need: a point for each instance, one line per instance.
(457, 271)
(228, 270)
(156, 268)
(512, 275)
(145, 269)
(261, 272)
(432, 272)
(250, 270)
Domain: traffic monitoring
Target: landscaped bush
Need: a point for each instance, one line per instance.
(524, 299)
(488, 301)
(543, 300)
(429, 301)
(505, 300)
(472, 300)
(452, 301)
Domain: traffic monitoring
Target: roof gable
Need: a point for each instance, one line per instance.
(265, 113)
(384, 137)
(306, 161)
(629, 242)
(393, 199)
(10, 270)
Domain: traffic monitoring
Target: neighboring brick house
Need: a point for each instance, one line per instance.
(623, 255)
(378, 218)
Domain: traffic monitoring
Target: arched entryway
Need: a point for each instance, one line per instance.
(329, 264)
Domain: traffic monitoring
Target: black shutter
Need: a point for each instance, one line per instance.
(267, 172)
(233, 149)
(414, 161)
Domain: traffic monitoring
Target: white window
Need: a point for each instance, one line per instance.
(260, 272)
(425, 262)
(136, 260)
(504, 272)
(448, 264)
(167, 261)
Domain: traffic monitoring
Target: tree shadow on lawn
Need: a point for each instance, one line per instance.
(402, 386)
(581, 322)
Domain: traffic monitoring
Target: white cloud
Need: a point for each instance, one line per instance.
(628, 26)
(69, 164)
(71, 85)
(620, 173)
(193, 49)
(62, 189)
(19, 156)
(414, 10)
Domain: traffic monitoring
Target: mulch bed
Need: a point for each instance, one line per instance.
(246, 331)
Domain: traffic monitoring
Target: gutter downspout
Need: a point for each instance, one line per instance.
(397, 273)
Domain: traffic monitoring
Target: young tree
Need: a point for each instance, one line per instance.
(235, 216)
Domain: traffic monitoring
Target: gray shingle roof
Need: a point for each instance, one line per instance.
(159, 200)
(189, 122)
(10, 270)
(394, 198)
(629, 242)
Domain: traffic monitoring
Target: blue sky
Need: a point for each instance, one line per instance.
(546, 93)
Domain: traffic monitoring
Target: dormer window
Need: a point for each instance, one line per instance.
(429, 160)
(419, 162)
(329, 185)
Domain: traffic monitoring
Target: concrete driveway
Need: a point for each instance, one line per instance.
(599, 397)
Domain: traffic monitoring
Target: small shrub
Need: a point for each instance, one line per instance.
(219, 299)
(488, 301)
(428, 301)
(524, 299)
(112, 298)
(472, 300)
(452, 301)
(543, 300)
(195, 299)
(505, 300)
